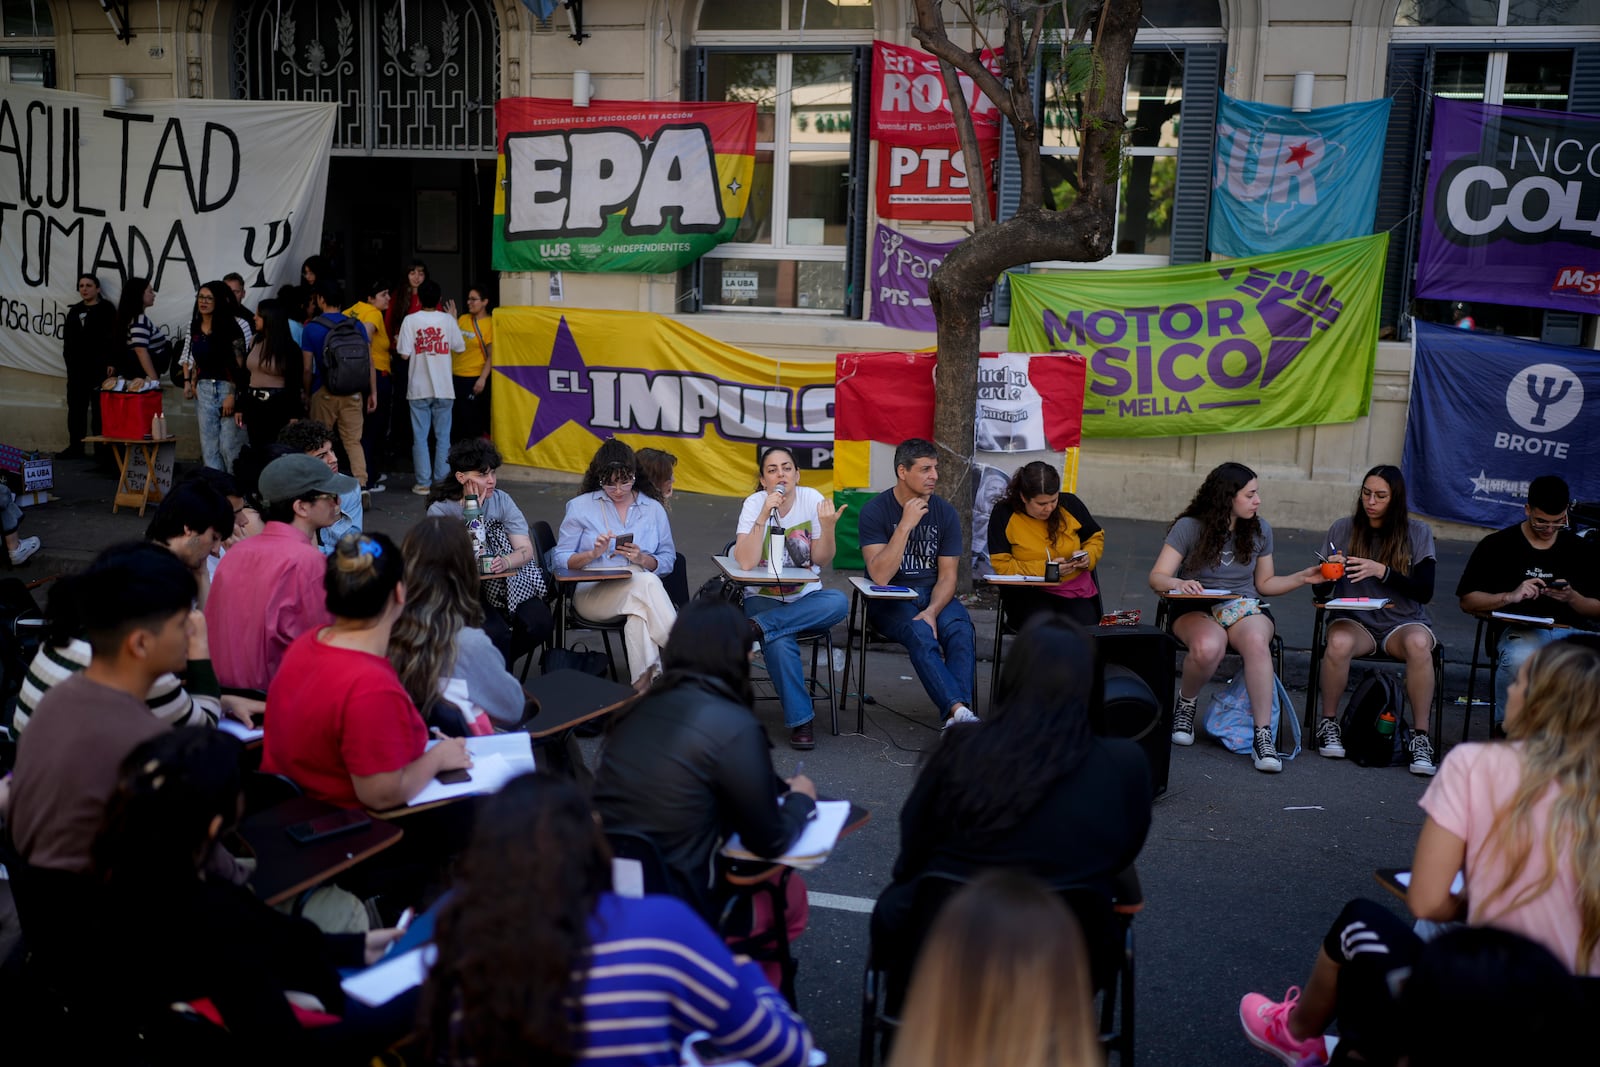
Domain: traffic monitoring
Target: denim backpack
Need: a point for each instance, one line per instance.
(1228, 718)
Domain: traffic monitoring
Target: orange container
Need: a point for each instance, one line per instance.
(129, 414)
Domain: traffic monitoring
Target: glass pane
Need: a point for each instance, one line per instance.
(746, 78)
(768, 283)
(819, 98)
(1144, 211)
(1511, 320)
(740, 15)
(756, 226)
(26, 70)
(1060, 181)
(1538, 79)
(818, 198)
(26, 18)
(1181, 14)
(1449, 12)
(1461, 75)
(1154, 98)
(831, 14)
(1553, 13)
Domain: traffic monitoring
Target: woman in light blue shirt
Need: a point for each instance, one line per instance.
(618, 499)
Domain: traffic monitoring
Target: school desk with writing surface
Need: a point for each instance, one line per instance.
(123, 448)
(286, 868)
(861, 591)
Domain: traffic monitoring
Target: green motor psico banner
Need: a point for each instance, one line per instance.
(1286, 339)
(632, 186)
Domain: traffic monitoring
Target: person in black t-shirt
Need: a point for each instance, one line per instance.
(1538, 568)
(89, 350)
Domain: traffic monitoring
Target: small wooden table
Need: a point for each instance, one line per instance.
(285, 867)
(763, 575)
(123, 448)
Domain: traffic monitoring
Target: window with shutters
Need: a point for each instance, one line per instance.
(27, 44)
(1542, 54)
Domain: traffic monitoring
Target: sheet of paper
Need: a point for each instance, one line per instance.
(1538, 620)
(1460, 883)
(240, 730)
(1356, 603)
(488, 773)
(814, 842)
(384, 981)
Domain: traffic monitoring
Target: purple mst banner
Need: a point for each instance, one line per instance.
(1512, 213)
(900, 280)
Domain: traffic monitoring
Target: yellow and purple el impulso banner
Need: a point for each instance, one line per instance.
(1284, 339)
(634, 186)
(569, 379)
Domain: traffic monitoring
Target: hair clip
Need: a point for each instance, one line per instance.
(368, 547)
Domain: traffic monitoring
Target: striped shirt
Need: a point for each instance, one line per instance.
(169, 701)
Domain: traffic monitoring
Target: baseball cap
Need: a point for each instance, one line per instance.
(290, 477)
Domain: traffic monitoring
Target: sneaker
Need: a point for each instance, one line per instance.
(421, 489)
(29, 545)
(376, 487)
(1330, 742)
(961, 714)
(1266, 753)
(802, 737)
(1183, 720)
(1266, 1024)
(1422, 754)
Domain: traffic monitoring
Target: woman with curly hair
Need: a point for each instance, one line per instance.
(1219, 542)
(439, 638)
(1034, 524)
(1388, 554)
(1519, 823)
(617, 521)
(582, 973)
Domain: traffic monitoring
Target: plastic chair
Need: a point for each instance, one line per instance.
(1378, 658)
(566, 612)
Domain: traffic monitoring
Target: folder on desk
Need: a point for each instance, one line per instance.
(814, 844)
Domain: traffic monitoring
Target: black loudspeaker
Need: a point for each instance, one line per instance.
(1141, 679)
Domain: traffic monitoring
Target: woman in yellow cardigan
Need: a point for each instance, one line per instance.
(1036, 523)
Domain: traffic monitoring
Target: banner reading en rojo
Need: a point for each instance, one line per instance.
(635, 186)
(1286, 339)
(578, 377)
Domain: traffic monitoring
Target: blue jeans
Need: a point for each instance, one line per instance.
(10, 514)
(220, 438)
(780, 624)
(945, 665)
(435, 412)
(1517, 646)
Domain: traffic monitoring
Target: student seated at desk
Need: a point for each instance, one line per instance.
(1035, 524)
(339, 723)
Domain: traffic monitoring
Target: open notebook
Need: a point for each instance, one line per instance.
(813, 845)
(496, 759)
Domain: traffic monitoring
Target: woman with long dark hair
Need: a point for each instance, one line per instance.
(274, 366)
(1030, 786)
(1219, 542)
(439, 637)
(135, 328)
(583, 973)
(470, 368)
(1036, 524)
(90, 347)
(616, 521)
(1385, 554)
(1516, 822)
(688, 764)
(213, 361)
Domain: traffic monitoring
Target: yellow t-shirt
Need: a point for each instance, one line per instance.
(469, 364)
(372, 319)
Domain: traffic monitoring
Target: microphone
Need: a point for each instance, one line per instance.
(775, 537)
(781, 491)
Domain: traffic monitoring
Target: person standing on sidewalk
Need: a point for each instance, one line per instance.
(472, 366)
(213, 362)
(340, 412)
(89, 350)
(375, 433)
(427, 338)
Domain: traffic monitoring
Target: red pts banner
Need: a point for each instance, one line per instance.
(930, 182)
(909, 105)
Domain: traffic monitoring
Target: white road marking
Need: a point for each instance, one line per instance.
(841, 903)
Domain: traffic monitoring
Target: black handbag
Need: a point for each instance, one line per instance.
(575, 659)
(718, 587)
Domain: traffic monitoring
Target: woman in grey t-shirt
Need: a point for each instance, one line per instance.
(1219, 543)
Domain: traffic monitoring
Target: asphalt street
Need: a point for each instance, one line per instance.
(1242, 871)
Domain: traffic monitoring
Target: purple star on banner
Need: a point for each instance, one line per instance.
(562, 387)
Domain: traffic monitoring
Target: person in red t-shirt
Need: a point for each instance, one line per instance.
(339, 723)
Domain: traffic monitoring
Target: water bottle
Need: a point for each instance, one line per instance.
(775, 547)
(472, 513)
(1386, 724)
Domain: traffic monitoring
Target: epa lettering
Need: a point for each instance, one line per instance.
(1533, 446)
(571, 183)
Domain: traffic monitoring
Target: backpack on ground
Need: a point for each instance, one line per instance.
(1229, 719)
(1364, 743)
(718, 587)
(346, 355)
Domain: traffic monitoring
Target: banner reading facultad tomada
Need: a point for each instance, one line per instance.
(633, 186)
(1287, 339)
(179, 192)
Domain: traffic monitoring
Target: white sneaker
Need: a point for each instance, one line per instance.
(1330, 742)
(1183, 720)
(421, 489)
(1422, 755)
(25, 548)
(961, 714)
(1266, 752)
(376, 487)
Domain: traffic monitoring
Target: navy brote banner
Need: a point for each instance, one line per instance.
(1489, 414)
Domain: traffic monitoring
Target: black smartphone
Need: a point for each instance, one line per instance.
(453, 777)
(624, 539)
(1557, 583)
(331, 825)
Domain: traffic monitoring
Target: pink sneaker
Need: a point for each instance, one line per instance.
(1266, 1024)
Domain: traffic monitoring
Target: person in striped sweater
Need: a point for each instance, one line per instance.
(566, 969)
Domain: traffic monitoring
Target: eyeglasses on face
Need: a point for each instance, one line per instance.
(1548, 524)
(618, 481)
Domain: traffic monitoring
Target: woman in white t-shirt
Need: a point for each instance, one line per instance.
(780, 613)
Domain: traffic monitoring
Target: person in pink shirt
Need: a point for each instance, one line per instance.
(268, 589)
(1515, 821)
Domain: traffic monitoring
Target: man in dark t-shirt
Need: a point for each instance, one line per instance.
(911, 537)
(1539, 569)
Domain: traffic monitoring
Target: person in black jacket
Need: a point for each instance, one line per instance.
(90, 350)
(1030, 787)
(688, 764)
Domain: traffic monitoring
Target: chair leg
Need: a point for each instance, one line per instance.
(1472, 683)
(833, 702)
(611, 662)
(994, 658)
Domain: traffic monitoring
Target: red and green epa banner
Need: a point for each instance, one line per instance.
(644, 187)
